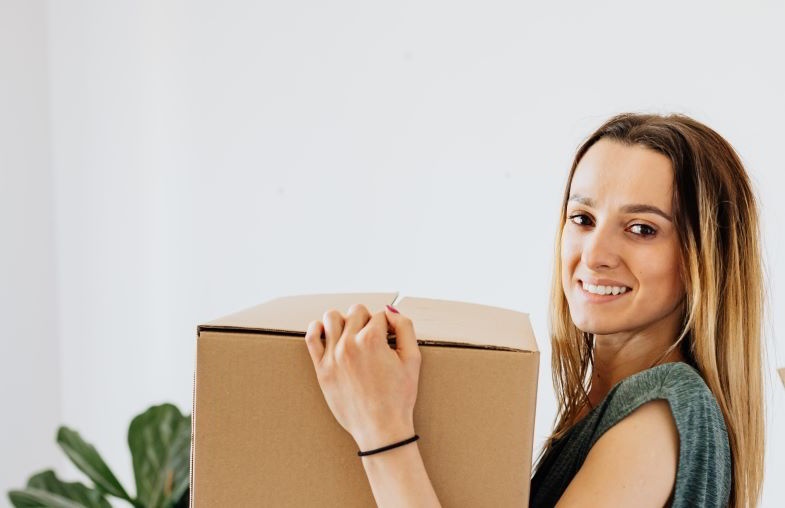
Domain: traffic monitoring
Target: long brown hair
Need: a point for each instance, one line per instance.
(716, 216)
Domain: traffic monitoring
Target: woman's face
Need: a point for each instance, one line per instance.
(615, 235)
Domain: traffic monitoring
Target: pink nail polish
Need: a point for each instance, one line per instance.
(393, 309)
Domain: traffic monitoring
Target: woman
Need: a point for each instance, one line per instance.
(655, 325)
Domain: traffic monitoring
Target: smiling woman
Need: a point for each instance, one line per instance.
(655, 323)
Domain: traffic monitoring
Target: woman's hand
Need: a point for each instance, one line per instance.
(370, 388)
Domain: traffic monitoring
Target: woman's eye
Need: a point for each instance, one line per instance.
(646, 230)
(572, 217)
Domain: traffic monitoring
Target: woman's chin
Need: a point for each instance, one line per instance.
(589, 323)
(596, 329)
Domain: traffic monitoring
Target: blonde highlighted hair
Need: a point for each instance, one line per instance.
(716, 216)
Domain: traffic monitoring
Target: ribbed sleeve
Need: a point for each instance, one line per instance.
(703, 477)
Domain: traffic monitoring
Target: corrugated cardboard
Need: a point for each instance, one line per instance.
(263, 434)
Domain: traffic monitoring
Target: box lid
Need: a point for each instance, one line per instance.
(436, 322)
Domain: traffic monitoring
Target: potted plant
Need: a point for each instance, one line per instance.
(160, 443)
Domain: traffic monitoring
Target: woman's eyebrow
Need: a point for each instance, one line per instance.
(635, 208)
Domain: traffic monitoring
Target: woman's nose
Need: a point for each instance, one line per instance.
(600, 249)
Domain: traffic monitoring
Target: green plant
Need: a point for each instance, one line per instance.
(160, 443)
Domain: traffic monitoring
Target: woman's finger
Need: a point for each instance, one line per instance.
(405, 337)
(356, 318)
(377, 328)
(313, 339)
(333, 328)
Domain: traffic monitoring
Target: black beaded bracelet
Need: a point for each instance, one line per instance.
(389, 447)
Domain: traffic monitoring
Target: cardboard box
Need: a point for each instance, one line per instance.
(263, 434)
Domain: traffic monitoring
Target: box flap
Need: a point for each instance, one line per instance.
(454, 322)
(442, 322)
(291, 314)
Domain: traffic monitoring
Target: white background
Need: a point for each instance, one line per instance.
(163, 163)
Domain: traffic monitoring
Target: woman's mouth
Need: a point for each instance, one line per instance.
(601, 294)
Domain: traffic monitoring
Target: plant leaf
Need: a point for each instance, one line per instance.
(160, 443)
(38, 498)
(87, 459)
(85, 496)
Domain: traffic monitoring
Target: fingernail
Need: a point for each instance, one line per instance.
(392, 309)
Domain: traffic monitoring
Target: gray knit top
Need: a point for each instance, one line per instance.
(703, 477)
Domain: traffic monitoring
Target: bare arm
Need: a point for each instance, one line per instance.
(398, 478)
(632, 464)
(371, 390)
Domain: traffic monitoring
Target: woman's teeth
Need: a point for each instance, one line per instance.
(604, 290)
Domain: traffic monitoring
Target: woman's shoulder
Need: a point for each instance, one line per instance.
(676, 381)
(692, 403)
(704, 469)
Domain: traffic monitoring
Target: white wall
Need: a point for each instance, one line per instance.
(210, 156)
(29, 366)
